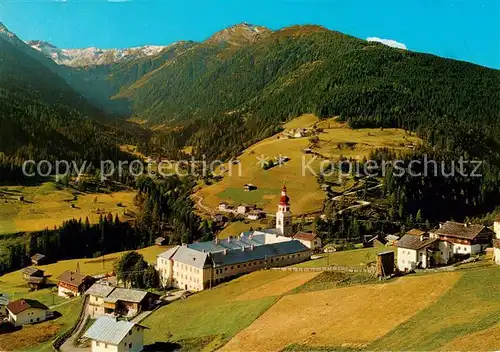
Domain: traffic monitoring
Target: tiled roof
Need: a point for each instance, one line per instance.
(72, 278)
(31, 270)
(22, 304)
(257, 253)
(414, 242)
(100, 290)
(126, 295)
(169, 253)
(416, 232)
(191, 257)
(304, 236)
(109, 330)
(38, 256)
(459, 230)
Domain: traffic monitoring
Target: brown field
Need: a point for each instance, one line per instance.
(277, 287)
(338, 317)
(28, 336)
(486, 340)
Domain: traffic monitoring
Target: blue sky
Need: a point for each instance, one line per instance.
(466, 30)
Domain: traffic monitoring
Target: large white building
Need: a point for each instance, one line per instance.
(111, 335)
(421, 249)
(198, 266)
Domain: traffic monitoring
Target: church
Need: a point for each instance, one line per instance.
(201, 265)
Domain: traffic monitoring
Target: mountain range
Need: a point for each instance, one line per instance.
(237, 86)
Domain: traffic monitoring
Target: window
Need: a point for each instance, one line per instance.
(244, 265)
(239, 266)
(97, 343)
(232, 267)
(130, 332)
(130, 345)
(105, 345)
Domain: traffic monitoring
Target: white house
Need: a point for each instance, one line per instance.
(496, 242)
(26, 311)
(416, 251)
(420, 249)
(109, 334)
(97, 293)
(310, 240)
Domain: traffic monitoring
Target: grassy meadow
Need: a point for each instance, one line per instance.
(50, 204)
(354, 257)
(305, 193)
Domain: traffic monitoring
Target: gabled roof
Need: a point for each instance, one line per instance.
(257, 253)
(416, 232)
(305, 236)
(414, 242)
(38, 256)
(392, 238)
(459, 230)
(100, 290)
(31, 270)
(169, 253)
(126, 295)
(191, 257)
(73, 278)
(109, 330)
(23, 304)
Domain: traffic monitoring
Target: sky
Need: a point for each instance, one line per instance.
(462, 29)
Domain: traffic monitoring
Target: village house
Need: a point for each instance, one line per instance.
(39, 259)
(110, 300)
(97, 293)
(422, 249)
(72, 284)
(111, 334)
(35, 278)
(247, 187)
(198, 266)
(4, 300)
(310, 240)
(496, 241)
(128, 302)
(161, 241)
(27, 311)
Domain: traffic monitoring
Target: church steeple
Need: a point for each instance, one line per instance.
(284, 215)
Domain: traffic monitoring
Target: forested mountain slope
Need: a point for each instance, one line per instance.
(42, 117)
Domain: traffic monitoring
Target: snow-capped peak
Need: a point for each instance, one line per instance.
(92, 56)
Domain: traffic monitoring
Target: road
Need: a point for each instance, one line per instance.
(69, 344)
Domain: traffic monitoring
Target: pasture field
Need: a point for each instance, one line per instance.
(13, 284)
(214, 316)
(470, 309)
(49, 205)
(354, 257)
(335, 141)
(341, 317)
(39, 337)
(237, 227)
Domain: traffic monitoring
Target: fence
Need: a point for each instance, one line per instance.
(344, 269)
(67, 334)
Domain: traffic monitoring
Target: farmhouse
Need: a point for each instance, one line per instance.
(4, 300)
(39, 259)
(104, 299)
(198, 266)
(422, 249)
(31, 272)
(73, 284)
(110, 334)
(310, 240)
(161, 241)
(26, 311)
(496, 241)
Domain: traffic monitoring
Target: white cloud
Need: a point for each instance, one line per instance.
(388, 42)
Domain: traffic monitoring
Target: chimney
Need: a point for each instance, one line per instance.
(242, 248)
(251, 247)
(225, 251)
(466, 224)
(440, 225)
(216, 240)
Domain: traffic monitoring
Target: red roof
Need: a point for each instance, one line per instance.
(22, 304)
(305, 236)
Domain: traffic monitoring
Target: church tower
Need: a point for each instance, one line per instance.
(283, 215)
